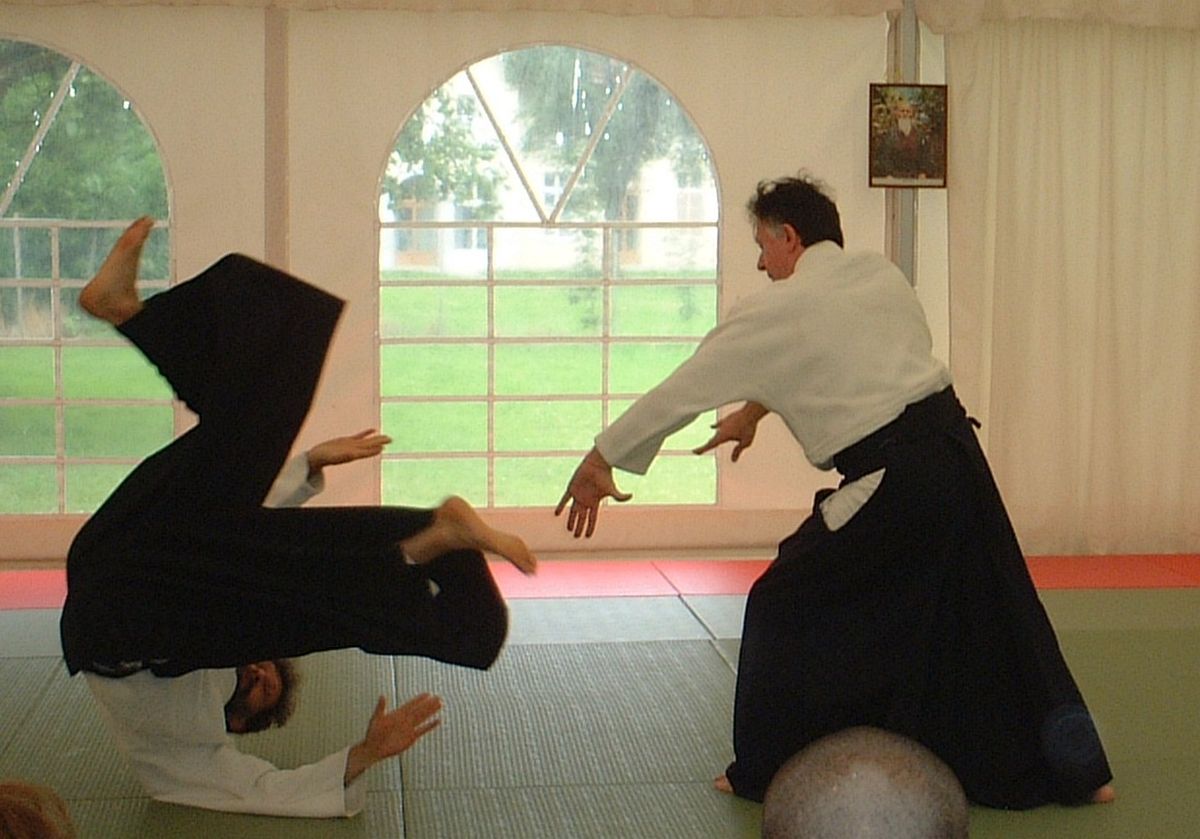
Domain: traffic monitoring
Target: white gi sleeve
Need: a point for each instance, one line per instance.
(173, 733)
(721, 371)
(292, 488)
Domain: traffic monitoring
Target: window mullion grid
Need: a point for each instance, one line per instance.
(508, 150)
(550, 218)
(606, 274)
(719, 296)
(39, 136)
(490, 454)
(60, 417)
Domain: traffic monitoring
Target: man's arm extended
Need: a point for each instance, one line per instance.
(303, 476)
(391, 732)
(738, 427)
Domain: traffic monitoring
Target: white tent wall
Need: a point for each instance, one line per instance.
(776, 94)
(1075, 267)
(196, 77)
(331, 90)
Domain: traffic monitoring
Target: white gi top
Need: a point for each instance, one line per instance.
(172, 730)
(837, 350)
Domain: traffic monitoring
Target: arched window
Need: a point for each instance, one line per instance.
(78, 406)
(548, 252)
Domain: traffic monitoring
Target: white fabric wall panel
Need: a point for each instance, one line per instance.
(770, 97)
(332, 89)
(196, 77)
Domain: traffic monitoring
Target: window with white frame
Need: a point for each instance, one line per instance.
(574, 217)
(78, 406)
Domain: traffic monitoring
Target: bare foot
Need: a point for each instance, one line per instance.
(456, 526)
(112, 295)
(1105, 795)
(721, 784)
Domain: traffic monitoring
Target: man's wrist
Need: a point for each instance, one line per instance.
(594, 458)
(358, 761)
(754, 411)
(315, 465)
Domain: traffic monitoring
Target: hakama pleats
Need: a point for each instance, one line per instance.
(182, 568)
(917, 616)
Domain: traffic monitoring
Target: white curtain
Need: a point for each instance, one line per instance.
(944, 16)
(1074, 207)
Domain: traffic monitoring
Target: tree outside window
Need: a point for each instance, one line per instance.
(78, 406)
(566, 281)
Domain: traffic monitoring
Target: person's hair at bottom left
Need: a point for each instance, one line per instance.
(33, 811)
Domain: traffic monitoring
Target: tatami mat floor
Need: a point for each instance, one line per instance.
(605, 717)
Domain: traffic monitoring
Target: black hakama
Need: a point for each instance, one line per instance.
(917, 616)
(182, 568)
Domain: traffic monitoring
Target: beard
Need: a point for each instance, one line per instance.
(238, 704)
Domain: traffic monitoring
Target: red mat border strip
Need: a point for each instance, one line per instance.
(46, 589)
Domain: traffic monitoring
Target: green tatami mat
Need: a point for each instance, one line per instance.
(141, 818)
(721, 614)
(1123, 608)
(569, 715)
(23, 682)
(644, 811)
(62, 742)
(730, 649)
(613, 738)
(337, 694)
(599, 619)
(30, 632)
(1143, 688)
(1148, 806)
(1144, 691)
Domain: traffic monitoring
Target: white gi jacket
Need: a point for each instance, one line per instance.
(837, 350)
(172, 730)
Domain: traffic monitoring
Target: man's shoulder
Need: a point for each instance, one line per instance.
(188, 709)
(869, 260)
(143, 689)
(828, 259)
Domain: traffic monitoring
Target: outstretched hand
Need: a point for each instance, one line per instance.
(591, 484)
(367, 443)
(738, 427)
(391, 732)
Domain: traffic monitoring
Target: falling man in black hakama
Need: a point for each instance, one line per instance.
(185, 595)
(182, 567)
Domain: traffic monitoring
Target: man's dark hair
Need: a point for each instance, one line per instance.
(801, 202)
(865, 783)
(276, 715)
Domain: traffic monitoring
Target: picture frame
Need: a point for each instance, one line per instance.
(907, 125)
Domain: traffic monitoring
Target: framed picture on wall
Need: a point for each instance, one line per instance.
(908, 135)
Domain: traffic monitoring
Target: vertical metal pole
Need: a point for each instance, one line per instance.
(275, 136)
(904, 66)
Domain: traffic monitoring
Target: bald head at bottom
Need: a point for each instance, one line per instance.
(865, 783)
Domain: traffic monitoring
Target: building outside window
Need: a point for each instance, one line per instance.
(572, 273)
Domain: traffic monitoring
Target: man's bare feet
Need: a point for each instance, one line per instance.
(456, 526)
(1105, 795)
(721, 784)
(112, 295)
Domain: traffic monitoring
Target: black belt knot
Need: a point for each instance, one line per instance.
(935, 414)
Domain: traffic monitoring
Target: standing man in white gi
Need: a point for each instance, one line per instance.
(903, 601)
